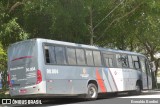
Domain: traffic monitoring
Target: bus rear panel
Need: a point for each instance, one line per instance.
(24, 76)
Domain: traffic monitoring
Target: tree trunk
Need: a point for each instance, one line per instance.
(156, 71)
(154, 74)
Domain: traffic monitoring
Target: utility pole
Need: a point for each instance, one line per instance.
(91, 26)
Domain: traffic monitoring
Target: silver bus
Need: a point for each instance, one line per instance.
(43, 67)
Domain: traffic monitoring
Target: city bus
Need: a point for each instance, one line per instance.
(42, 67)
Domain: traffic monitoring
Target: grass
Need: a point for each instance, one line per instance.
(4, 95)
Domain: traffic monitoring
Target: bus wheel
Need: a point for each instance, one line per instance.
(92, 93)
(138, 89)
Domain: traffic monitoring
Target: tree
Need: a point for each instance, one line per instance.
(147, 32)
(3, 59)
(120, 24)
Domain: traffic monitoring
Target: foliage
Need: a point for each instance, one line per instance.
(3, 58)
(11, 32)
(121, 24)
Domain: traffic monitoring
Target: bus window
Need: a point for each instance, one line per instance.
(47, 54)
(71, 55)
(60, 55)
(130, 61)
(106, 61)
(97, 58)
(108, 58)
(136, 62)
(89, 57)
(80, 57)
(118, 59)
(52, 54)
(110, 62)
(25, 51)
(143, 66)
(124, 61)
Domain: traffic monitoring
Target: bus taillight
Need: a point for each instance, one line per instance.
(39, 77)
(9, 80)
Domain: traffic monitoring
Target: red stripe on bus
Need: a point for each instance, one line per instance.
(23, 57)
(100, 81)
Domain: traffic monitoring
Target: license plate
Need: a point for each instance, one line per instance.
(22, 91)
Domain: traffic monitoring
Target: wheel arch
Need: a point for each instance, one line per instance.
(93, 82)
(140, 83)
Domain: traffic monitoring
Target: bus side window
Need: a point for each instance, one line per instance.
(109, 58)
(110, 62)
(97, 58)
(52, 55)
(60, 55)
(106, 61)
(124, 60)
(136, 62)
(130, 61)
(89, 57)
(47, 58)
(71, 55)
(80, 57)
(143, 64)
(118, 59)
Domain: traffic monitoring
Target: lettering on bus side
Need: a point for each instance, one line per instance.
(17, 68)
(52, 71)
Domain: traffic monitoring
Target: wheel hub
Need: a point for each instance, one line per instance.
(92, 92)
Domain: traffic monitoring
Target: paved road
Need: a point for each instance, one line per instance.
(124, 98)
(121, 98)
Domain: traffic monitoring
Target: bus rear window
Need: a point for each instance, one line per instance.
(22, 50)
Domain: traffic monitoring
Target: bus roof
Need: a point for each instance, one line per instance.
(81, 46)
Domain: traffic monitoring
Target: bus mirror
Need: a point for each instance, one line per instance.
(153, 67)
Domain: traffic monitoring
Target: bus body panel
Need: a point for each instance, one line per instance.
(74, 80)
(130, 77)
(149, 82)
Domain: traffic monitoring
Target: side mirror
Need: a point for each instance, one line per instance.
(153, 67)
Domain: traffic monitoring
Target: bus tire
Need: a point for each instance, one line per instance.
(92, 92)
(138, 89)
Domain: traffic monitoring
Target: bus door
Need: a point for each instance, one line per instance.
(145, 73)
(149, 74)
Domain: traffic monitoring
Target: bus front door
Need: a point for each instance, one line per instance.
(145, 72)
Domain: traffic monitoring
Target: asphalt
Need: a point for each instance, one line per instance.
(121, 98)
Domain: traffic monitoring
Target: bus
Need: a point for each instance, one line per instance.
(43, 67)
